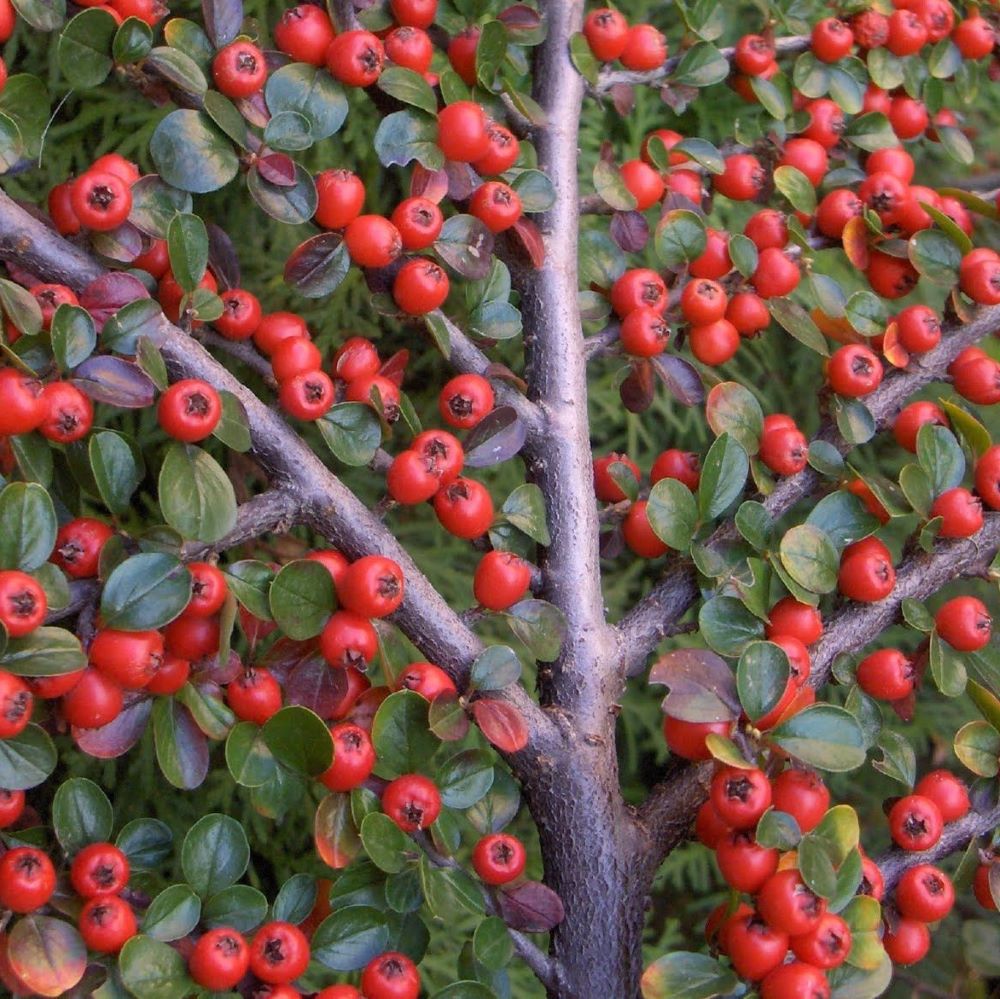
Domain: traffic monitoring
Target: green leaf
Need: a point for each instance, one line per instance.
(535, 191)
(777, 830)
(250, 582)
(935, 256)
(133, 40)
(154, 970)
(977, 745)
(295, 899)
(684, 975)
(27, 526)
(215, 853)
(34, 458)
(312, 93)
(947, 667)
(540, 625)
(761, 678)
(957, 145)
(146, 842)
(754, 524)
(21, 307)
(140, 318)
(385, 843)
(84, 48)
(181, 747)
(743, 253)
(491, 943)
(302, 598)
(234, 427)
(898, 758)
(870, 132)
(145, 591)
(350, 938)
(81, 815)
(610, 187)
(178, 68)
(26, 759)
(843, 518)
(191, 154)
(672, 513)
(292, 205)
(772, 99)
(940, 456)
(525, 509)
(404, 136)
(116, 472)
(300, 740)
(73, 336)
(795, 320)
(408, 87)
(402, 740)
(680, 238)
(173, 914)
(727, 626)
(491, 48)
(239, 906)
(352, 432)
(465, 778)
(47, 651)
(187, 245)
(823, 736)
(288, 131)
(702, 152)
(465, 990)
(916, 487)
(196, 495)
(43, 15)
(796, 187)
(723, 476)
(495, 668)
(866, 313)
(583, 58)
(854, 420)
(701, 66)
(249, 760)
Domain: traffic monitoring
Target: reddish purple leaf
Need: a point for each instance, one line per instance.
(117, 737)
(637, 389)
(285, 655)
(223, 19)
(103, 297)
(222, 257)
(314, 685)
(630, 231)
(520, 17)
(212, 671)
(430, 184)
(702, 686)
(496, 438)
(612, 543)
(447, 718)
(123, 244)
(277, 168)
(462, 180)
(501, 723)
(531, 907)
(530, 237)
(116, 381)
(681, 379)
(254, 109)
(623, 98)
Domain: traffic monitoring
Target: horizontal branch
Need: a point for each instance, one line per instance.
(612, 77)
(656, 615)
(956, 836)
(243, 352)
(292, 467)
(855, 625)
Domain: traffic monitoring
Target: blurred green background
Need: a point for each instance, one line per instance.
(783, 374)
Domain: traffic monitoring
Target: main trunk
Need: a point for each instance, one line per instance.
(590, 859)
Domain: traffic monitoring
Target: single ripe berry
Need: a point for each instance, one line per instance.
(107, 923)
(740, 797)
(189, 410)
(789, 905)
(887, 675)
(219, 959)
(239, 70)
(390, 976)
(279, 953)
(462, 132)
(27, 879)
(947, 792)
(412, 802)
(420, 287)
(866, 571)
(499, 858)
(501, 580)
(925, 893)
(353, 758)
(99, 869)
(16, 703)
(23, 604)
(101, 201)
(854, 371)
(356, 58)
(606, 31)
(960, 511)
(465, 400)
(371, 587)
(496, 205)
(340, 196)
(915, 822)
(964, 623)
(802, 795)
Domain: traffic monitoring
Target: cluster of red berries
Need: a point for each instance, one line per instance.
(57, 409)
(639, 47)
(100, 199)
(99, 873)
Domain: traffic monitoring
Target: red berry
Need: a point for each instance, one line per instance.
(501, 580)
(742, 179)
(776, 274)
(101, 201)
(23, 604)
(340, 194)
(11, 807)
(685, 466)
(279, 953)
(95, 700)
(835, 210)
(22, 408)
(241, 314)
(802, 795)
(908, 941)
(462, 134)
(915, 822)
(307, 396)
(796, 980)
(808, 157)
(464, 508)
(912, 418)
(606, 31)
(390, 976)
(964, 623)
(866, 571)
(410, 47)
(496, 205)
(99, 869)
(239, 70)
(499, 858)
(462, 54)
(854, 371)
(887, 675)
(831, 39)
(925, 893)
(503, 151)
(645, 48)
(639, 535)
(304, 33)
(254, 695)
(27, 879)
(420, 287)
(412, 802)
(348, 640)
(373, 241)
(356, 58)
(981, 887)
(428, 680)
(418, 221)
(740, 797)
(754, 947)
(219, 959)
(789, 905)
(295, 356)
(744, 863)
(798, 620)
(189, 410)
(974, 37)
(414, 13)
(643, 183)
(714, 343)
(947, 792)
(106, 923)
(371, 587)
(961, 513)
(687, 739)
